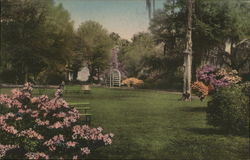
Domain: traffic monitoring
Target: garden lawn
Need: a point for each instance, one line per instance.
(156, 125)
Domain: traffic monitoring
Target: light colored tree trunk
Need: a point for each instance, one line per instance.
(187, 76)
(153, 7)
(150, 4)
(228, 46)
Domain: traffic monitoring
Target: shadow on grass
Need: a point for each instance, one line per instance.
(206, 131)
(193, 109)
(215, 131)
(206, 148)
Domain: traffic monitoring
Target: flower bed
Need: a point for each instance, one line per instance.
(211, 79)
(132, 82)
(39, 127)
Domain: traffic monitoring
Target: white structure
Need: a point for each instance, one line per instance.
(114, 78)
(69, 74)
(83, 74)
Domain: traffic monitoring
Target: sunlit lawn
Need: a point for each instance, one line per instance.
(155, 125)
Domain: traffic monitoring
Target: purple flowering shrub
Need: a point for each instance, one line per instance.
(43, 128)
(213, 79)
(216, 78)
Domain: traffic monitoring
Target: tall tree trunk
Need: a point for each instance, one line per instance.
(153, 7)
(148, 5)
(187, 76)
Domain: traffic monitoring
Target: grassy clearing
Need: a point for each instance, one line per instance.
(155, 125)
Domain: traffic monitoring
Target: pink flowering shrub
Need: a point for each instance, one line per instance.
(210, 79)
(217, 78)
(43, 128)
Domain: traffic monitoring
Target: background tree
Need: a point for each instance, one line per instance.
(94, 43)
(35, 39)
(212, 25)
(220, 32)
(134, 54)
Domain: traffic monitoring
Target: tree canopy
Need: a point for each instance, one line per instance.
(94, 43)
(214, 23)
(35, 39)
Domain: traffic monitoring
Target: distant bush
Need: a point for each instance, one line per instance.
(132, 82)
(8, 76)
(229, 108)
(50, 77)
(43, 128)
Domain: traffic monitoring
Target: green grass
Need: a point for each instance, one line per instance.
(155, 125)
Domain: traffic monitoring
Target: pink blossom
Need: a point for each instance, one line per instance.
(10, 114)
(35, 100)
(85, 150)
(16, 93)
(19, 118)
(36, 155)
(59, 115)
(21, 111)
(71, 144)
(34, 114)
(28, 111)
(42, 123)
(9, 129)
(56, 125)
(31, 134)
(53, 141)
(45, 114)
(52, 148)
(5, 148)
(107, 140)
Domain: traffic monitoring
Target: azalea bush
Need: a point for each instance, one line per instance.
(40, 127)
(211, 79)
(201, 89)
(217, 78)
(132, 82)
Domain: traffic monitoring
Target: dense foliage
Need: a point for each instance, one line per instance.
(94, 44)
(229, 109)
(134, 54)
(39, 127)
(36, 40)
(214, 29)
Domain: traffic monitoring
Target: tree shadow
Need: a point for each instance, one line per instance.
(193, 109)
(214, 131)
(206, 131)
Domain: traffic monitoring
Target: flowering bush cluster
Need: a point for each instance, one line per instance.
(132, 82)
(217, 78)
(201, 89)
(214, 78)
(39, 127)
